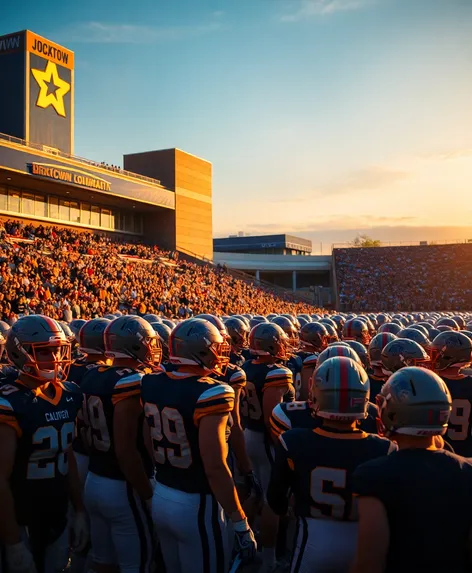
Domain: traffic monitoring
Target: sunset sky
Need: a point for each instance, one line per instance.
(322, 118)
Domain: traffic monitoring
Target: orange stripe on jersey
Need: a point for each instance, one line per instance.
(224, 408)
(217, 397)
(275, 429)
(124, 395)
(344, 436)
(291, 465)
(276, 384)
(12, 422)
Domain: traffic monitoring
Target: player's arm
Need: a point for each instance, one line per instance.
(127, 413)
(373, 537)
(75, 488)
(279, 423)
(9, 530)
(278, 491)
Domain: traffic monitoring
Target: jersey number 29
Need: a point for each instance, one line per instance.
(160, 424)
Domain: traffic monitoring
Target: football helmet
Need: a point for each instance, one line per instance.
(152, 318)
(290, 330)
(445, 321)
(402, 352)
(92, 336)
(168, 322)
(197, 342)
(220, 325)
(67, 330)
(338, 350)
(415, 402)
(392, 327)
(340, 390)
(76, 325)
(361, 351)
(132, 337)
(450, 350)
(269, 340)
(314, 337)
(416, 335)
(376, 345)
(163, 333)
(356, 329)
(422, 328)
(4, 328)
(37, 346)
(238, 331)
(332, 332)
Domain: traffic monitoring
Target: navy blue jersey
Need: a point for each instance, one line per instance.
(44, 427)
(428, 498)
(237, 358)
(8, 374)
(459, 432)
(103, 388)
(295, 365)
(376, 384)
(300, 415)
(259, 377)
(174, 404)
(76, 373)
(317, 467)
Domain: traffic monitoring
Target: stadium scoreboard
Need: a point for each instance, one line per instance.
(38, 102)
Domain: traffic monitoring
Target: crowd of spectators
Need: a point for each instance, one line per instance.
(72, 274)
(430, 277)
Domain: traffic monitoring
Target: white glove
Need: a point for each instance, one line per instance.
(19, 558)
(80, 532)
(245, 540)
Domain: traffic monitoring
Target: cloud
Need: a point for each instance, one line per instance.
(366, 179)
(110, 33)
(304, 9)
(449, 155)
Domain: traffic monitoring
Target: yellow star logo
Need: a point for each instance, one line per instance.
(51, 88)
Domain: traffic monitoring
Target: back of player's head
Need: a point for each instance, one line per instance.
(356, 329)
(238, 331)
(400, 353)
(338, 350)
(92, 336)
(133, 338)
(268, 341)
(450, 349)
(376, 345)
(340, 390)
(198, 342)
(314, 337)
(414, 401)
(361, 351)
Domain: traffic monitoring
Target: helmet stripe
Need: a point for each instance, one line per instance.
(343, 386)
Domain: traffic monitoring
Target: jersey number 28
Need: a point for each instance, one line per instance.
(43, 463)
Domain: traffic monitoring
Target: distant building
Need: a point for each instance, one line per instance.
(263, 245)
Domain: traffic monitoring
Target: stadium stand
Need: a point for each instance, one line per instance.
(53, 271)
(430, 277)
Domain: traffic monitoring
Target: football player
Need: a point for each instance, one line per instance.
(187, 411)
(407, 497)
(38, 474)
(450, 353)
(317, 467)
(239, 333)
(163, 333)
(377, 376)
(313, 340)
(118, 487)
(267, 382)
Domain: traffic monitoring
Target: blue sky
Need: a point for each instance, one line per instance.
(321, 117)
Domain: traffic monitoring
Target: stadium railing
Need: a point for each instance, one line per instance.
(57, 153)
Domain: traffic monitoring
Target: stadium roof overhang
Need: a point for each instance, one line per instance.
(33, 169)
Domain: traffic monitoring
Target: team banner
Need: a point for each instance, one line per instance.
(49, 50)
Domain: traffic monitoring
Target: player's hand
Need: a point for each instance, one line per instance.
(80, 531)
(19, 558)
(253, 486)
(245, 541)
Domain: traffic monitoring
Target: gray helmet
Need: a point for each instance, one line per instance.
(417, 335)
(29, 341)
(134, 338)
(92, 336)
(76, 325)
(197, 342)
(400, 353)
(376, 345)
(361, 351)
(109, 316)
(220, 325)
(314, 336)
(338, 350)
(290, 330)
(238, 331)
(414, 401)
(268, 339)
(340, 389)
(356, 329)
(163, 332)
(67, 330)
(168, 322)
(152, 318)
(451, 349)
(4, 328)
